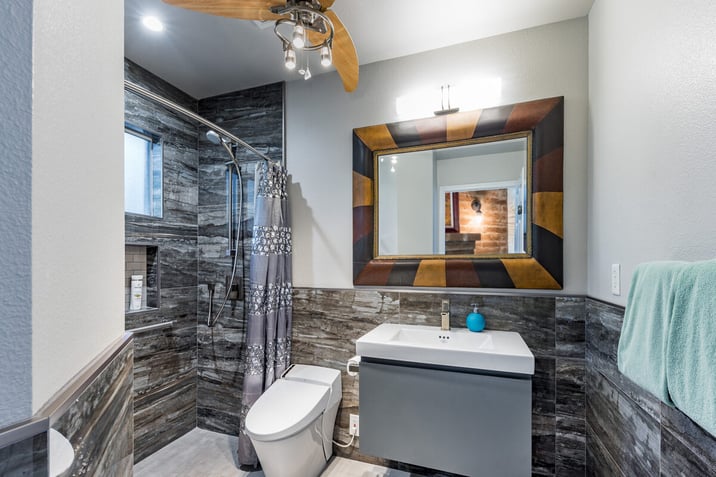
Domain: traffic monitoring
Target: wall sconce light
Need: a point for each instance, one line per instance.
(477, 207)
(445, 97)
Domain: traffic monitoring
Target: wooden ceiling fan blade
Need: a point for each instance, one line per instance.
(241, 9)
(345, 57)
(326, 4)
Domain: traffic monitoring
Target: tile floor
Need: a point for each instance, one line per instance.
(202, 453)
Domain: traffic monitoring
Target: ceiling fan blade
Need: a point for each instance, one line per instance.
(242, 9)
(326, 4)
(345, 58)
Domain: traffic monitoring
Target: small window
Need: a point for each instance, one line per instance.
(142, 172)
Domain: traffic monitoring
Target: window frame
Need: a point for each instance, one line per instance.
(155, 162)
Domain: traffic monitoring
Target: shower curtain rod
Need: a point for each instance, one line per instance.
(136, 89)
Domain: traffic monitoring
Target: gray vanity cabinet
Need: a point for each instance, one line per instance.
(452, 419)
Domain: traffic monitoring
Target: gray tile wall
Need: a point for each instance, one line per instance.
(256, 116)
(166, 360)
(27, 458)
(629, 431)
(328, 322)
(98, 424)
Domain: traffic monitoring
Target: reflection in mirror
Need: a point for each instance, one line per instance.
(468, 199)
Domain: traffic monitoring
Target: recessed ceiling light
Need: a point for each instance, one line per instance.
(153, 23)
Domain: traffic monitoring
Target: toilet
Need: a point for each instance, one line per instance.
(291, 423)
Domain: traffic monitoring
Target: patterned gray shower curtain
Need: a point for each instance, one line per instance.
(268, 333)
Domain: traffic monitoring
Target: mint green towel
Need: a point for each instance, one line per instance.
(691, 350)
(643, 342)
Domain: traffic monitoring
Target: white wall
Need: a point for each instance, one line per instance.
(15, 211)
(77, 187)
(500, 167)
(531, 64)
(652, 165)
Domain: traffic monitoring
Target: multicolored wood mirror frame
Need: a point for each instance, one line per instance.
(542, 270)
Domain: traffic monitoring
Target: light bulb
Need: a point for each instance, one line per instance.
(290, 58)
(299, 36)
(326, 59)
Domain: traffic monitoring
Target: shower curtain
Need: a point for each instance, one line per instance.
(268, 330)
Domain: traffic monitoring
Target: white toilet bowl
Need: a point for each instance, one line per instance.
(291, 423)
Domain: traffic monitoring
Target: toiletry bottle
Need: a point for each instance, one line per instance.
(475, 321)
(135, 291)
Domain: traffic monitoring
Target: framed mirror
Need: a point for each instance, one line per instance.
(470, 199)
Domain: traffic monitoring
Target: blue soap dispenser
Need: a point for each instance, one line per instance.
(475, 321)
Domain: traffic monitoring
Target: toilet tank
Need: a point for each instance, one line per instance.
(318, 375)
(326, 377)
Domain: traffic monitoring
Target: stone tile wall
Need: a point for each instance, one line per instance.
(98, 424)
(165, 360)
(27, 458)
(256, 116)
(629, 431)
(328, 322)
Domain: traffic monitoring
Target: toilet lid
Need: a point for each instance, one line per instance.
(284, 409)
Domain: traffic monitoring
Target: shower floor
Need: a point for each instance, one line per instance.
(202, 453)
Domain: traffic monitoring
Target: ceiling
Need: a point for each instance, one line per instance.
(205, 55)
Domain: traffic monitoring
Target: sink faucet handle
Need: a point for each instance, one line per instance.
(445, 316)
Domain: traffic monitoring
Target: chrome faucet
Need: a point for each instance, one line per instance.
(445, 316)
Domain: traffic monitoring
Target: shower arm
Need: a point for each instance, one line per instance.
(136, 89)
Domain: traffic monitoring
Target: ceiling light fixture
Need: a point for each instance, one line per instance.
(289, 58)
(152, 23)
(326, 56)
(311, 30)
(299, 36)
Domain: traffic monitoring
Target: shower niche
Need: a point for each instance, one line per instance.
(141, 278)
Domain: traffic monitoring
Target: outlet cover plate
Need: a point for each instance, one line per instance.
(353, 426)
(616, 279)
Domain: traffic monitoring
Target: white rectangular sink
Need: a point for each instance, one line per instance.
(498, 351)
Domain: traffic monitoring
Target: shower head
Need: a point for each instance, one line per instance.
(214, 137)
(217, 139)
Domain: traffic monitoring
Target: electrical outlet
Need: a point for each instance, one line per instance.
(353, 427)
(616, 279)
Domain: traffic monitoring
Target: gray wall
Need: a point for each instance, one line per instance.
(651, 159)
(535, 63)
(16, 216)
(165, 360)
(651, 90)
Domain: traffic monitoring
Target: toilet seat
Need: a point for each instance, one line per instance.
(285, 408)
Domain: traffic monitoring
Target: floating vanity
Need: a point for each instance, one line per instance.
(450, 400)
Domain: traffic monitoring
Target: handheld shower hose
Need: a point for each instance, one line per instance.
(213, 318)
